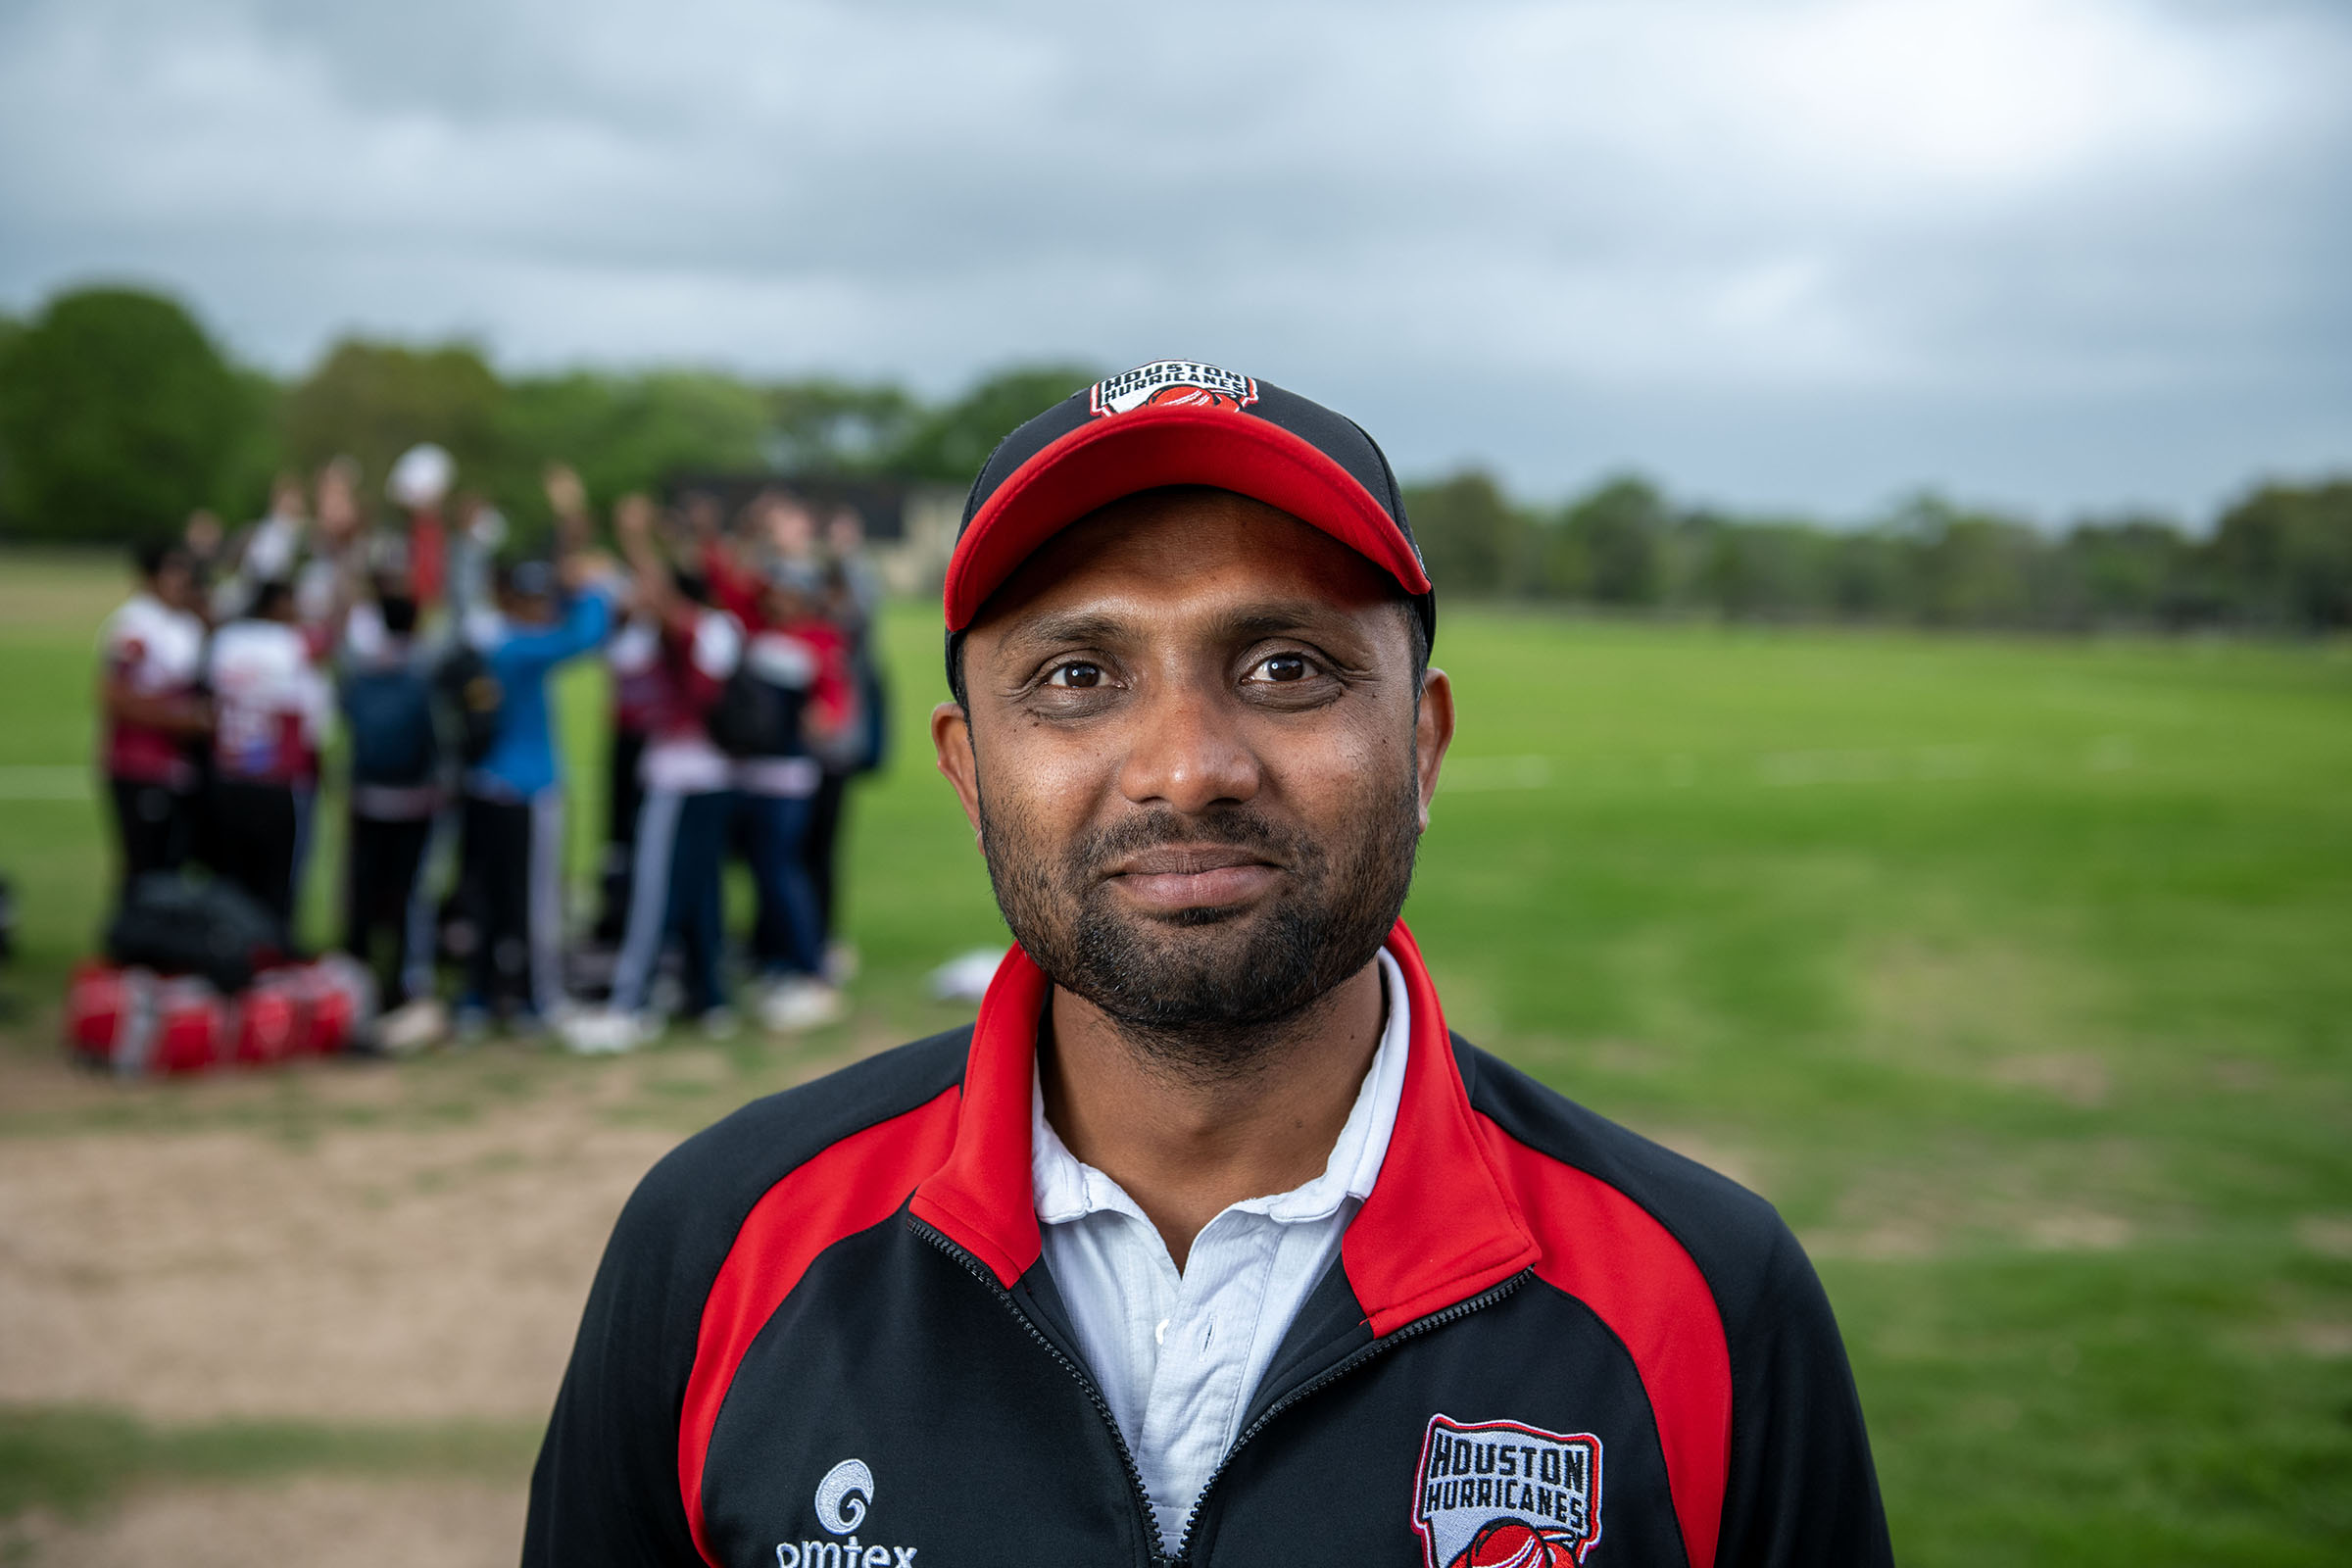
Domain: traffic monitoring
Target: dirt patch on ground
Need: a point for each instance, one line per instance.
(1962, 1200)
(2329, 1235)
(317, 1521)
(371, 1274)
(2076, 1077)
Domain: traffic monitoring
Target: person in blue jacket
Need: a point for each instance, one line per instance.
(512, 808)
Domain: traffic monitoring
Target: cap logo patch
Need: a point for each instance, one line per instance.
(1166, 383)
(1502, 1495)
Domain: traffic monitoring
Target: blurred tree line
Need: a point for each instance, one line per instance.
(2280, 558)
(119, 416)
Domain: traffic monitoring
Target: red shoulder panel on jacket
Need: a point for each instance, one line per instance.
(1451, 1228)
(853, 1186)
(1610, 1253)
(980, 1197)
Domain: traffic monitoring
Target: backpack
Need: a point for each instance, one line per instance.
(393, 737)
(471, 693)
(759, 709)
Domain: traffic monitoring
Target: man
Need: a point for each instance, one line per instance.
(153, 650)
(632, 659)
(1206, 1242)
(795, 672)
(271, 551)
(271, 704)
(385, 690)
(688, 803)
(512, 813)
(854, 595)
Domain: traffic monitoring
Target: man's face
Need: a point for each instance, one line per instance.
(174, 582)
(1196, 765)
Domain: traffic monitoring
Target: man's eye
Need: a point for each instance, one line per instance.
(1076, 675)
(1281, 669)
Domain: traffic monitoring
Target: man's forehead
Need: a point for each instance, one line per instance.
(1185, 553)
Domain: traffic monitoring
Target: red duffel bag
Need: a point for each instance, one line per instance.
(332, 1000)
(269, 1025)
(133, 1022)
(101, 1000)
(193, 1029)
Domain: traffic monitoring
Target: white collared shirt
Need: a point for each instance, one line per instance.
(1179, 1355)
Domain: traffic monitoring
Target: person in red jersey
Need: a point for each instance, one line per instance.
(151, 658)
(1207, 1241)
(688, 804)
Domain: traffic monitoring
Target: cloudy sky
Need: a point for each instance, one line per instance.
(2063, 255)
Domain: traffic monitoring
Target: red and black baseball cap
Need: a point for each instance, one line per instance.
(1178, 423)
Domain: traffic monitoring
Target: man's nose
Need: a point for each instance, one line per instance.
(1187, 753)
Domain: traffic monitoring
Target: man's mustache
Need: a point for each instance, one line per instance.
(1231, 826)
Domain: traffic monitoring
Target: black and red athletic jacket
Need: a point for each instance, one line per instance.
(822, 1338)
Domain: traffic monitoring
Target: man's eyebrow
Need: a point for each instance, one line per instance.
(1081, 626)
(1241, 624)
(1274, 619)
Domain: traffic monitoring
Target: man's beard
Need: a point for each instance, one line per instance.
(1210, 993)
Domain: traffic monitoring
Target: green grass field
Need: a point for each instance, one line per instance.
(2019, 974)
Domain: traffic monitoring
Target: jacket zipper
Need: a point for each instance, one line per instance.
(1419, 1325)
(1134, 1475)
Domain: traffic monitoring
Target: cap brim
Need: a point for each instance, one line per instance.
(1146, 448)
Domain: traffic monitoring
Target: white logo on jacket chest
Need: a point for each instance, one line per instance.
(842, 1498)
(1503, 1495)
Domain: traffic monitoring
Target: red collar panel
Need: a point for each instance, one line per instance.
(1441, 1225)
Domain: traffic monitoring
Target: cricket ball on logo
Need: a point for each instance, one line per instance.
(1191, 397)
(1507, 1494)
(1509, 1543)
(1171, 384)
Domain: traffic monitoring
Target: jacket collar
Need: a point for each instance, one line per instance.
(1440, 1226)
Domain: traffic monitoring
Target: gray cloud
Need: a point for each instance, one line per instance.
(2064, 254)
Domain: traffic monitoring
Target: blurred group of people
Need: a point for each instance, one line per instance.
(745, 696)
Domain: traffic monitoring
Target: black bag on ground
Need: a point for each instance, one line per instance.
(178, 926)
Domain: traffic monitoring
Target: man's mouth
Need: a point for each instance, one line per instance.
(1172, 877)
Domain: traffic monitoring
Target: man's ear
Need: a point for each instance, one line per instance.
(951, 739)
(1432, 732)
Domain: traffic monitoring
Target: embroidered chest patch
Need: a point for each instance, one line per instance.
(1504, 1494)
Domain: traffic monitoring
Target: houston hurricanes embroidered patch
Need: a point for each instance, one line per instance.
(1162, 383)
(1504, 1494)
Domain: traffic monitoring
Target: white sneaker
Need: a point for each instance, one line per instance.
(412, 1026)
(798, 1004)
(603, 1031)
